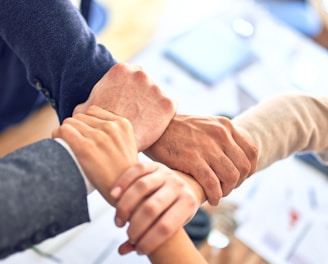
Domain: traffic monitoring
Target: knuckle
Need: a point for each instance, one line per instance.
(150, 208)
(245, 169)
(125, 124)
(191, 201)
(165, 229)
(142, 167)
(91, 109)
(65, 126)
(226, 122)
(119, 66)
(253, 153)
(146, 247)
(140, 75)
(98, 138)
(178, 183)
(222, 133)
(168, 105)
(142, 184)
(211, 182)
(106, 126)
(234, 176)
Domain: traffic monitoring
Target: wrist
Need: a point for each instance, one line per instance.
(195, 186)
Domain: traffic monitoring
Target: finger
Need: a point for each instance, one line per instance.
(228, 175)
(161, 231)
(70, 135)
(207, 178)
(148, 213)
(249, 150)
(133, 173)
(135, 195)
(239, 162)
(55, 133)
(100, 113)
(83, 128)
(92, 121)
(126, 248)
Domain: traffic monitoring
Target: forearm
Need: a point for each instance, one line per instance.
(178, 249)
(42, 194)
(284, 125)
(57, 48)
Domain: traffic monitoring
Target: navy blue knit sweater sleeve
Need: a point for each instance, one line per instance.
(59, 51)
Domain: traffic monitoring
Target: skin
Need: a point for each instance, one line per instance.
(186, 253)
(156, 201)
(210, 149)
(166, 252)
(126, 90)
(87, 133)
(103, 163)
(189, 144)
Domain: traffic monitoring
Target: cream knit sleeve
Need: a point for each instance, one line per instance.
(286, 124)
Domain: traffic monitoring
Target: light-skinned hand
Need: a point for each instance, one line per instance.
(127, 91)
(208, 148)
(156, 202)
(103, 143)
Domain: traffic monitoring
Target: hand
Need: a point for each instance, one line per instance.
(156, 202)
(127, 91)
(103, 143)
(208, 148)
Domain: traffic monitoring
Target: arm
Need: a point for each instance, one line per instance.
(42, 191)
(156, 201)
(64, 61)
(42, 194)
(123, 155)
(112, 150)
(210, 149)
(57, 48)
(166, 251)
(284, 125)
(134, 96)
(178, 249)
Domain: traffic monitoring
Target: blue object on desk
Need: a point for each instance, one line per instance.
(209, 51)
(299, 15)
(312, 160)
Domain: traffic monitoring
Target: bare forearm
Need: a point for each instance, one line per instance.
(284, 125)
(178, 249)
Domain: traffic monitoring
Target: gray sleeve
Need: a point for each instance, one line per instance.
(42, 194)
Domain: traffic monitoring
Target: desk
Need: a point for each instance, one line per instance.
(236, 253)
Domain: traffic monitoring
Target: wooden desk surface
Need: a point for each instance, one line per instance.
(236, 253)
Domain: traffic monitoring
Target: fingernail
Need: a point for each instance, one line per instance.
(119, 222)
(116, 192)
